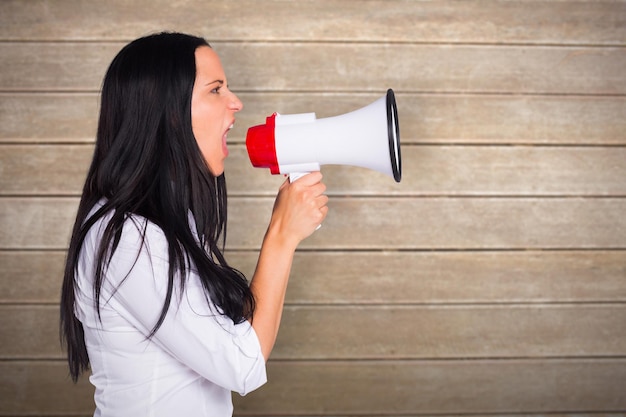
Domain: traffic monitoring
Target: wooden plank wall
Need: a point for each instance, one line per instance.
(490, 281)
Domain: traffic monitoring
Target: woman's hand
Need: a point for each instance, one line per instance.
(299, 209)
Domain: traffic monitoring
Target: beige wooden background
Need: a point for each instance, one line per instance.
(490, 281)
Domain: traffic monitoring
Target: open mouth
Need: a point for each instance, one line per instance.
(224, 139)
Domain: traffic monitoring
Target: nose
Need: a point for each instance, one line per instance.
(235, 103)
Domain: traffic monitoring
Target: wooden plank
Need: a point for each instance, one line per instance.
(427, 171)
(449, 223)
(548, 22)
(31, 277)
(45, 117)
(451, 332)
(35, 326)
(407, 387)
(461, 171)
(43, 389)
(424, 118)
(411, 68)
(36, 66)
(451, 277)
(292, 66)
(387, 277)
(50, 220)
(44, 169)
(370, 223)
(389, 332)
(366, 388)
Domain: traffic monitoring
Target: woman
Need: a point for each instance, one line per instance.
(149, 303)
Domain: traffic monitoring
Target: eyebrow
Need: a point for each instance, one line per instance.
(216, 81)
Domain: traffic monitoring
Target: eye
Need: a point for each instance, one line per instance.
(216, 90)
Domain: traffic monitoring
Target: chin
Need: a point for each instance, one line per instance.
(216, 171)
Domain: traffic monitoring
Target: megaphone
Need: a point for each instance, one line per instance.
(297, 144)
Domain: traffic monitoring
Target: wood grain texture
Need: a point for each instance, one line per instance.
(490, 281)
(424, 118)
(450, 223)
(427, 171)
(48, 118)
(389, 332)
(433, 223)
(361, 388)
(457, 387)
(356, 278)
(476, 21)
(404, 67)
(43, 388)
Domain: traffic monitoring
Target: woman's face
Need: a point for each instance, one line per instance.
(213, 108)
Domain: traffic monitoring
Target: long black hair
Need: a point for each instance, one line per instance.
(147, 162)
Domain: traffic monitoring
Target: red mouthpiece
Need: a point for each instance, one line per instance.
(261, 145)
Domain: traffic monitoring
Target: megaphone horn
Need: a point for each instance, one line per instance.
(300, 143)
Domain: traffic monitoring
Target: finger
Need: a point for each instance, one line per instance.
(321, 201)
(310, 179)
(318, 188)
(323, 213)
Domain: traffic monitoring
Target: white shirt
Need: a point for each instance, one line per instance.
(192, 363)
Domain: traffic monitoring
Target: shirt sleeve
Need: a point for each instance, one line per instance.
(193, 331)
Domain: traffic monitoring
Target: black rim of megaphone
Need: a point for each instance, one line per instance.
(393, 132)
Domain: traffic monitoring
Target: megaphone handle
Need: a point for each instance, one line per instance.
(294, 176)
